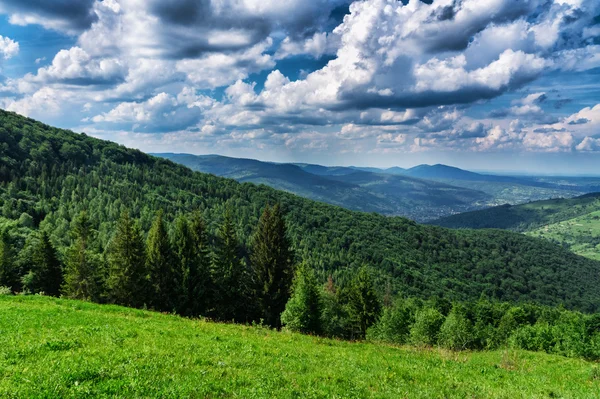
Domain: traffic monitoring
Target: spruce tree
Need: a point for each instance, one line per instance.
(199, 283)
(126, 283)
(364, 306)
(81, 266)
(8, 271)
(303, 311)
(272, 262)
(159, 262)
(229, 275)
(46, 267)
(183, 249)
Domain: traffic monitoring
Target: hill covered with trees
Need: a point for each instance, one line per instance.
(80, 191)
(524, 217)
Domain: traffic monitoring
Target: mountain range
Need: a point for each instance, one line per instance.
(422, 193)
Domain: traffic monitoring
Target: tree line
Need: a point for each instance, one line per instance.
(357, 312)
(173, 268)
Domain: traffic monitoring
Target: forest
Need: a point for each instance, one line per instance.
(68, 199)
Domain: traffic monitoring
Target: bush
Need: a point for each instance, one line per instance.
(394, 325)
(426, 328)
(457, 331)
(5, 290)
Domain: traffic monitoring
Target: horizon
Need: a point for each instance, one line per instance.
(490, 87)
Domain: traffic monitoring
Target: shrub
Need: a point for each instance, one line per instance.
(394, 325)
(457, 331)
(426, 328)
(5, 290)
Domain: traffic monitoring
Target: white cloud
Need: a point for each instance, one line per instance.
(8, 47)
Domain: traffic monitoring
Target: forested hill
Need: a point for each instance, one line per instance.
(526, 216)
(49, 175)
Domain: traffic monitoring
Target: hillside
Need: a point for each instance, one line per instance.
(354, 189)
(49, 175)
(524, 217)
(71, 349)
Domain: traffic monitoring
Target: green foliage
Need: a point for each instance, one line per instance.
(426, 328)
(46, 267)
(82, 267)
(272, 261)
(457, 331)
(394, 324)
(364, 306)
(8, 272)
(230, 275)
(160, 266)
(127, 277)
(303, 311)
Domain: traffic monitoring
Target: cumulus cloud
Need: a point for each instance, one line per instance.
(161, 113)
(8, 47)
(76, 66)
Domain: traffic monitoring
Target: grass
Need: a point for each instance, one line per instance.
(55, 348)
(582, 234)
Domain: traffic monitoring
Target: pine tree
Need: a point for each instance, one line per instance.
(303, 311)
(229, 274)
(81, 268)
(8, 272)
(199, 283)
(127, 277)
(364, 306)
(159, 263)
(46, 267)
(272, 262)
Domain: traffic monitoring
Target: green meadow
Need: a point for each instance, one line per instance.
(56, 348)
(581, 234)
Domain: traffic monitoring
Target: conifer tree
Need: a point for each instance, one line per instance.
(46, 267)
(303, 311)
(183, 249)
(199, 283)
(229, 274)
(127, 277)
(272, 262)
(8, 272)
(81, 266)
(159, 263)
(364, 306)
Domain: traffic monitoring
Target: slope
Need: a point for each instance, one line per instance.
(70, 349)
(48, 175)
(525, 216)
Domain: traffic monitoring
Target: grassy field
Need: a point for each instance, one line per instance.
(582, 234)
(54, 348)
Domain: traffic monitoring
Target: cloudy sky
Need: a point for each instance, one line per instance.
(483, 84)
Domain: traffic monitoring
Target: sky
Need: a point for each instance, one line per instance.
(504, 85)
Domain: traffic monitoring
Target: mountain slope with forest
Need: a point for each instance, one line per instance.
(49, 175)
(386, 193)
(524, 217)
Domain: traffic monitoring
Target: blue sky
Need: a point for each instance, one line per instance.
(510, 85)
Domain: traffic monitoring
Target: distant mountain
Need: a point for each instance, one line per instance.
(345, 186)
(446, 172)
(395, 170)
